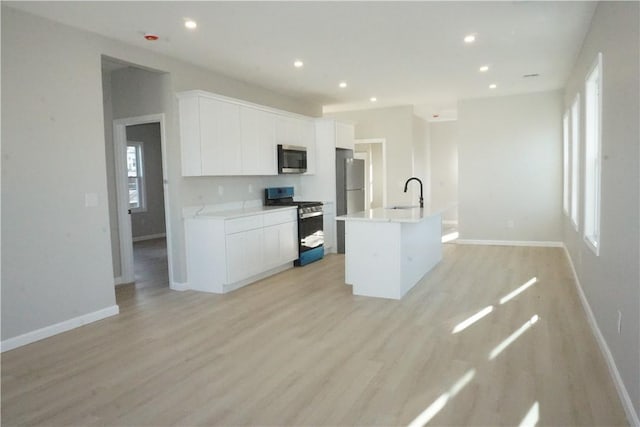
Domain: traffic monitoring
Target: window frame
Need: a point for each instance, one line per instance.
(593, 156)
(142, 189)
(575, 162)
(566, 189)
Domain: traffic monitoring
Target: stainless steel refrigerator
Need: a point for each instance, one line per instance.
(349, 189)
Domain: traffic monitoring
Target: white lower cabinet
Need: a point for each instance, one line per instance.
(244, 254)
(226, 253)
(280, 244)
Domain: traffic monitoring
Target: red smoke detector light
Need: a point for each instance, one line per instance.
(151, 37)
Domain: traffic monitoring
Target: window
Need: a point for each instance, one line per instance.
(565, 163)
(592, 166)
(575, 159)
(135, 168)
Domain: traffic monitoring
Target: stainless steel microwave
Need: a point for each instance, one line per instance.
(292, 159)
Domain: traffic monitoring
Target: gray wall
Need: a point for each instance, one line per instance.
(107, 110)
(151, 221)
(611, 281)
(54, 153)
(444, 167)
(509, 167)
(56, 258)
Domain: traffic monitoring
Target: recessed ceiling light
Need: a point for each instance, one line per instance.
(343, 84)
(493, 86)
(298, 64)
(373, 99)
(484, 68)
(469, 38)
(190, 24)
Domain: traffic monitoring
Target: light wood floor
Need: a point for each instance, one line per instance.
(299, 349)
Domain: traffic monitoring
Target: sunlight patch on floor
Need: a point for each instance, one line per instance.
(471, 320)
(518, 291)
(514, 336)
(532, 417)
(433, 409)
(449, 237)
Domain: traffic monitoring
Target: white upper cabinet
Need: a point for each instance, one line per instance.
(259, 155)
(345, 136)
(224, 136)
(189, 110)
(220, 149)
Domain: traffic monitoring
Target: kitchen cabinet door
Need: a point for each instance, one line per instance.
(220, 145)
(345, 136)
(329, 229)
(244, 254)
(308, 134)
(288, 242)
(259, 155)
(189, 113)
(280, 244)
(288, 131)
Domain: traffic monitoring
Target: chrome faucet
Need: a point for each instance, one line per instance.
(406, 184)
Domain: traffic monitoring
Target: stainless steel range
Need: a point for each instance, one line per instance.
(310, 220)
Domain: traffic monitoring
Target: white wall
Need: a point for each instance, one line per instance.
(611, 281)
(54, 153)
(395, 124)
(374, 177)
(421, 159)
(444, 167)
(509, 164)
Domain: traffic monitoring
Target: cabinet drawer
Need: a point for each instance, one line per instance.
(280, 217)
(242, 224)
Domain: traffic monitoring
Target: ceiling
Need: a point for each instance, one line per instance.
(402, 53)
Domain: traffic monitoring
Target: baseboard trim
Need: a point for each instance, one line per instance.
(149, 237)
(118, 281)
(58, 328)
(627, 404)
(545, 244)
(179, 286)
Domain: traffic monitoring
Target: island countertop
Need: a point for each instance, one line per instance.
(402, 214)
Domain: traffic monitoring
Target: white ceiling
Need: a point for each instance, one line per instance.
(401, 52)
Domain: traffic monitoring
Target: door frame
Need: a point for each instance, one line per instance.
(122, 193)
(383, 143)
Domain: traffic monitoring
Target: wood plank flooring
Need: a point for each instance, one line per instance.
(299, 349)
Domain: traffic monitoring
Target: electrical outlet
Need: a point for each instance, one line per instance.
(619, 322)
(220, 190)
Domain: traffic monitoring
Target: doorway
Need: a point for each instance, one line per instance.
(373, 152)
(142, 201)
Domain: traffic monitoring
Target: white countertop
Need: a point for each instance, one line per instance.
(239, 213)
(407, 214)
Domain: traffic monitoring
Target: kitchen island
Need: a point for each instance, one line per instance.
(388, 250)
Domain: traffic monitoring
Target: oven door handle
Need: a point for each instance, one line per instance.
(310, 215)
